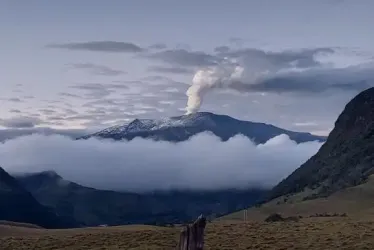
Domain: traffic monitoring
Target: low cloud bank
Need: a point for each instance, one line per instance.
(140, 165)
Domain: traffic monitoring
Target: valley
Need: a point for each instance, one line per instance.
(327, 202)
(187, 125)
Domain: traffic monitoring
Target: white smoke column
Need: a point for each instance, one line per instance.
(239, 73)
(207, 79)
(227, 75)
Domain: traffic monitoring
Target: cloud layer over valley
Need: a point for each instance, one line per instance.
(203, 162)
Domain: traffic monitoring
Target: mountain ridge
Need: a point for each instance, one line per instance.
(338, 179)
(346, 159)
(181, 128)
(18, 205)
(93, 207)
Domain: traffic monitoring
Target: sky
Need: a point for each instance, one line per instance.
(92, 64)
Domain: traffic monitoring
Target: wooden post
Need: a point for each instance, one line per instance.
(192, 236)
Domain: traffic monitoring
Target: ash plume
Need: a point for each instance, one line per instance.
(300, 71)
(209, 78)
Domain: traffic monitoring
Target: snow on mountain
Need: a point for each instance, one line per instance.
(181, 128)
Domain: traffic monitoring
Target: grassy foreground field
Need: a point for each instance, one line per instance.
(309, 233)
(357, 202)
(356, 231)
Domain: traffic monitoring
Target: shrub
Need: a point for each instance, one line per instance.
(274, 217)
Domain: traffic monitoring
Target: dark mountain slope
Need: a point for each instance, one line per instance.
(18, 205)
(181, 128)
(345, 160)
(93, 207)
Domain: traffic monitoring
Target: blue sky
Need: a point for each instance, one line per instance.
(149, 52)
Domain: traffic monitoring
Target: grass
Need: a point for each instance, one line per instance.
(357, 202)
(230, 232)
(310, 233)
(17, 224)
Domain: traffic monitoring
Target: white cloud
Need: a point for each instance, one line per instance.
(304, 124)
(167, 102)
(307, 71)
(171, 90)
(203, 162)
(20, 122)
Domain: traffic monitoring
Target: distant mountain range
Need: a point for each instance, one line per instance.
(92, 207)
(336, 179)
(46, 199)
(181, 128)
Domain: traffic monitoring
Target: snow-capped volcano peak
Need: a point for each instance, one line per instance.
(139, 125)
(181, 128)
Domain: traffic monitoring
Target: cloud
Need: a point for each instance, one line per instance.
(116, 86)
(119, 100)
(97, 69)
(29, 97)
(275, 60)
(158, 46)
(65, 94)
(98, 90)
(204, 162)
(20, 122)
(158, 79)
(10, 134)
(313, 81)
(172, 70)
(182, 57)
(14, 100)
(305, 124)
(297, 71)
(15, 111)
(236, 41)
(47, 111)
(100, 46)
(167, 102)
(171, 90)
(222, 49)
